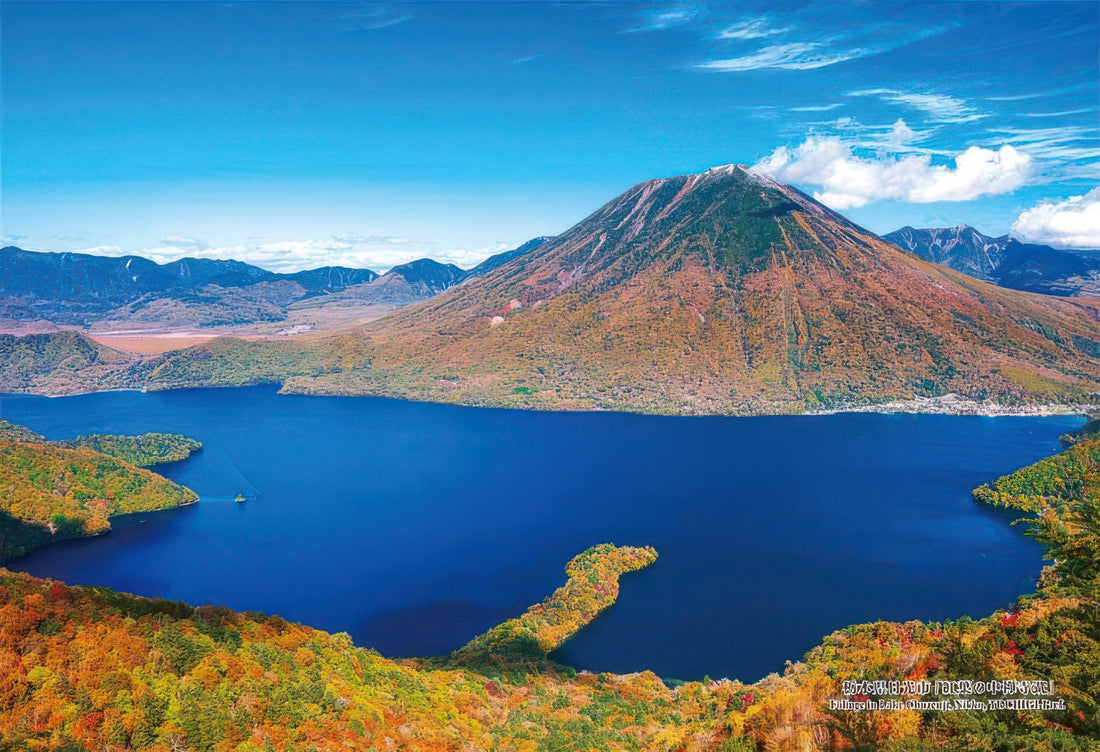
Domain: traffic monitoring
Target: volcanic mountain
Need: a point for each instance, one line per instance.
(724, 292)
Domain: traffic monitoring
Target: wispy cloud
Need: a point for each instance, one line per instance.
(940, 107)
(528, 59)
(371, 17)
(752, 28)
(808, 37)
(1073, 223)
(1042, 94)
(816, 107)
(1063, 113)
(848, 181)
(181, 241)
(791, 56)
(1066, 151)
(374, 239)
(666, 18)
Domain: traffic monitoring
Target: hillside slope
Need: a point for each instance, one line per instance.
(725, 292)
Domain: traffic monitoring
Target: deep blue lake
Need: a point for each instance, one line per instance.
(415, 526)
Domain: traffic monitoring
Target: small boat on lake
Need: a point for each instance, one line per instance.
(240, 498)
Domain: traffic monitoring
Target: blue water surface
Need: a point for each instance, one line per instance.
(415, 526)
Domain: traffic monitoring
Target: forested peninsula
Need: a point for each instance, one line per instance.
(56, 491)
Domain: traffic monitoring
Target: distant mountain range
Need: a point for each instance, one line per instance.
(75, 288)
(413, 282)
(1005, 261)
(722, 292)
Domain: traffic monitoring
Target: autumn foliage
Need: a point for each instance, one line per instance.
(50, 493)
(92, 669)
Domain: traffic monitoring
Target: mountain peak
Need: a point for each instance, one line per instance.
(1003, 261)
(728, 169)
(726, 291)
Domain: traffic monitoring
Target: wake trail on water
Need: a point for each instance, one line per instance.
(249, 491)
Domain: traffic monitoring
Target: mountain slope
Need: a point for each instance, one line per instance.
(503, 258)
(330, 278)
(59, 359)
(1005, 261)
(65, 287)
(400, 286)
(725, 292)
(413, 282)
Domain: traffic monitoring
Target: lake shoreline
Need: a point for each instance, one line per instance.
(954, 404)
(325, 546)
(948, 404)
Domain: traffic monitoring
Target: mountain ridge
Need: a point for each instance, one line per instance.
(414, 281)
(1005, 261)
(67, 288)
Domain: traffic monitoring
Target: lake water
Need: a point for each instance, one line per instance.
(415, 526)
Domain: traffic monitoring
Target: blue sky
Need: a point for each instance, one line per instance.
(293, 134)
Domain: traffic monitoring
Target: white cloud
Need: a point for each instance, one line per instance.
(850, 181)
(900, 133)
(184, 242)
(1073, 223)
(940, 107)
(815, 108)
(656, 20)
(752, 28)
(792, 56)
(369, 18)
(467, 259)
